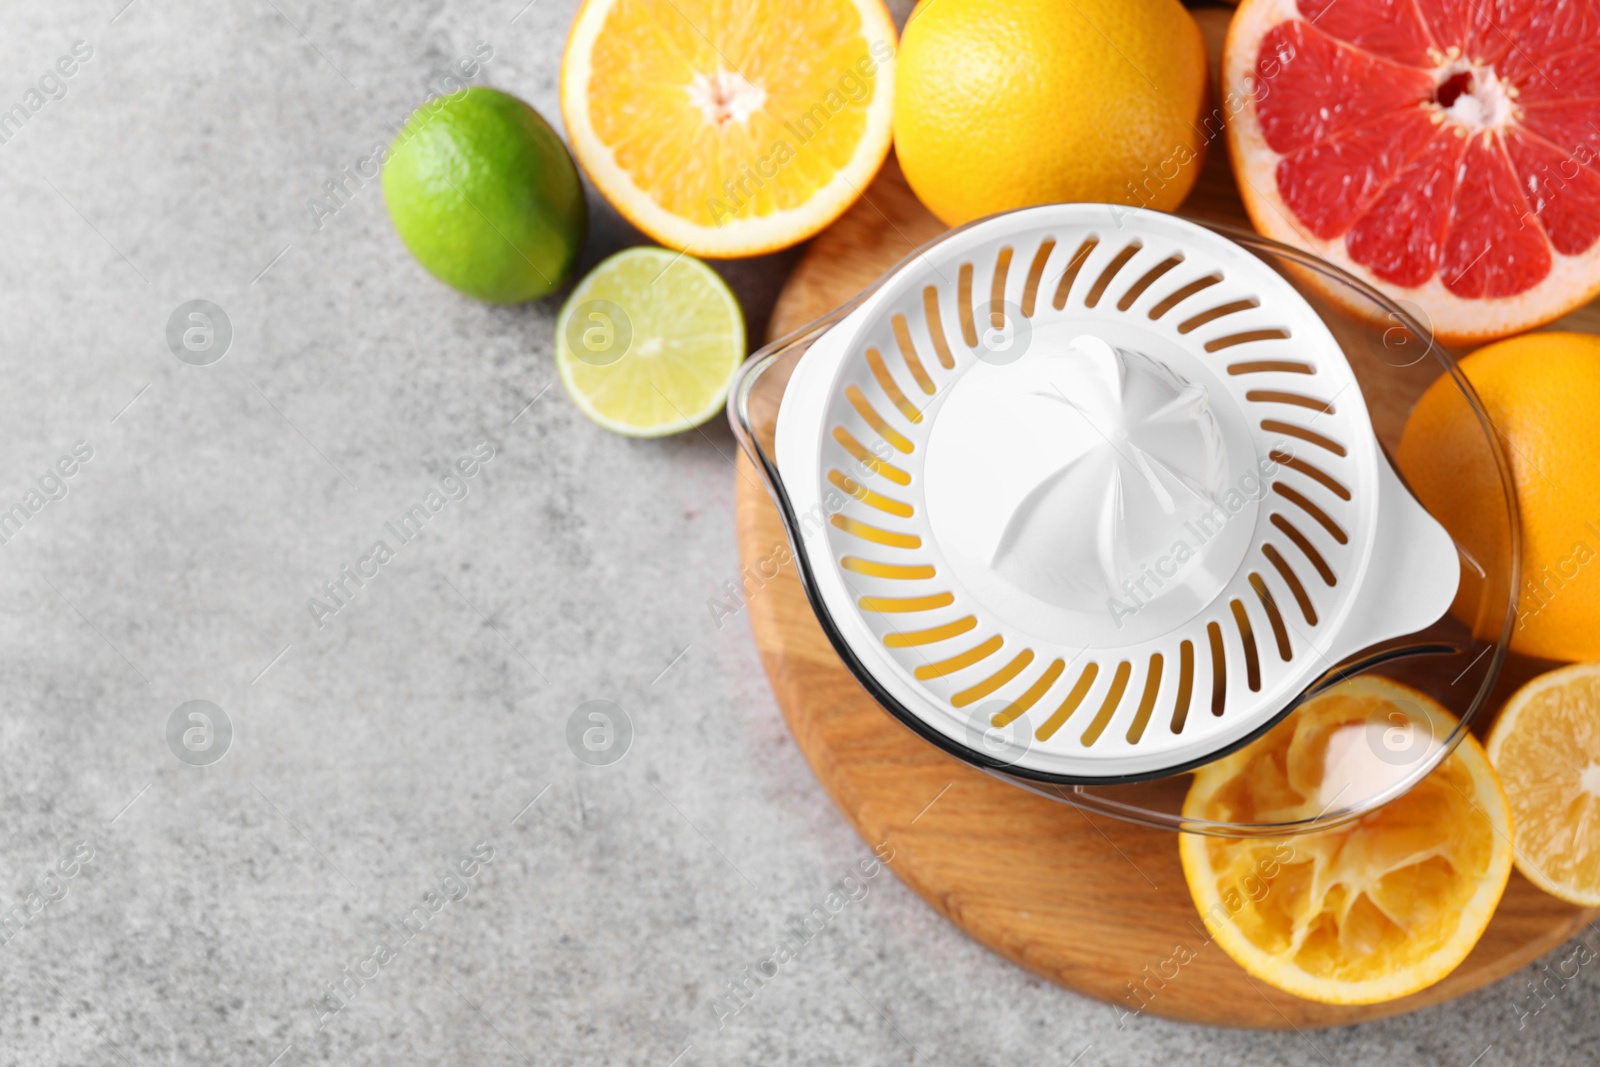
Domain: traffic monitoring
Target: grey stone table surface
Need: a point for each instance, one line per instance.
(399, 859)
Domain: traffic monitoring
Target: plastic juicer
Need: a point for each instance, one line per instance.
(1090, 496)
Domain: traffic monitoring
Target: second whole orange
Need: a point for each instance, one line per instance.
(1002, 104)
(1541, 392)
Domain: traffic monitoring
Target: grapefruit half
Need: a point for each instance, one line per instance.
(1445, 151)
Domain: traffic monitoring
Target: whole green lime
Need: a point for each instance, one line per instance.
(485, 195)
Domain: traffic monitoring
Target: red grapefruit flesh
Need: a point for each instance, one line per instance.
(1445, 151)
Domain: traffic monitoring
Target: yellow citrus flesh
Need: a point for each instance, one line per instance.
(1002, 104)
(1540, 391)
(1369, 910)
(729, 131)
(1546, 747)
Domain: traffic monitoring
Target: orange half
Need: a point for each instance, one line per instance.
(1369, 910)
(730, 130)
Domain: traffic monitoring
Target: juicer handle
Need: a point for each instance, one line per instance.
(1413, 572)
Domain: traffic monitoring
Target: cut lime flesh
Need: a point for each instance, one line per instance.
(648, 342)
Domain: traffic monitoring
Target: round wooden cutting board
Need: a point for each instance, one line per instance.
(1091, 903)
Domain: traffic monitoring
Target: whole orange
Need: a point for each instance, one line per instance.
(1541, 392)
(1002, 104)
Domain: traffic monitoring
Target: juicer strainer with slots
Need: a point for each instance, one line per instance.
(1090, 496)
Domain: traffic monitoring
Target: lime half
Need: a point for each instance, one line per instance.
(648, 343)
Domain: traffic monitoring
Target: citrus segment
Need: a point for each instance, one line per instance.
(1443, 151)
(1546, 747)
(1372, 909)
(648, 343)
(729, 131)
(1572, 219)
